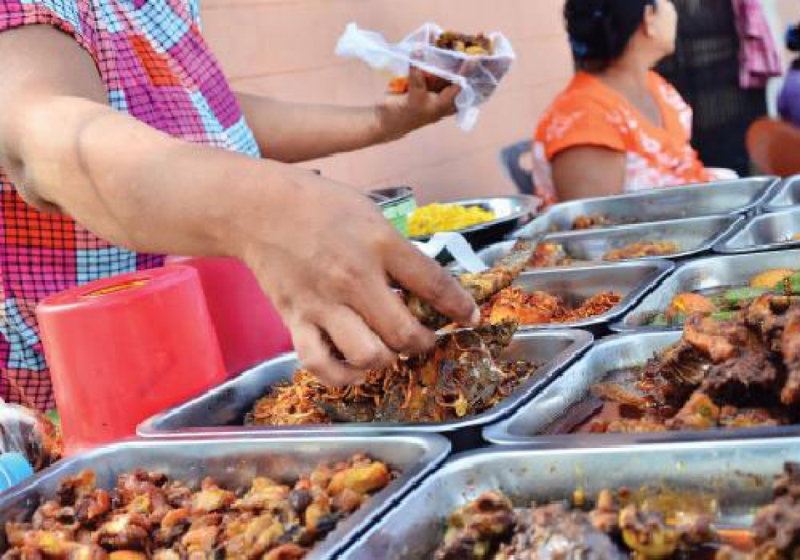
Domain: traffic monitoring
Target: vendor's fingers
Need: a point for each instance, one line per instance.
(359, 345)
(384, 311)
(416, 80)
(315, 355)
(447, 99)
(425, 278)
(417, 85)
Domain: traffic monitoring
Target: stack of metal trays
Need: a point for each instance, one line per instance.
(236, 461)
(785, 196)
(538, 421)
(737, 474)
(741, 196)
(766, 232)
(704, 274)
(221, 411)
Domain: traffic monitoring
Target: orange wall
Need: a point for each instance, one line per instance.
(284, 48)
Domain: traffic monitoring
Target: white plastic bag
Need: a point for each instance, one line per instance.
(458, 247)
(477, 75)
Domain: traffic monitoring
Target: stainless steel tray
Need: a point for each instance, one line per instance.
(763, 233)
(531, 423)
(632, 280)
(786, 195)
(704, 274)
(692, 235)
(511, 212)
(236, 461)
(725, 197)
(221, 411)
(739, 473)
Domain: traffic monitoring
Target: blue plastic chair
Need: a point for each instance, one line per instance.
(509, 158)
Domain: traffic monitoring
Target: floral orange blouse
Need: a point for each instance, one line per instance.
(590, 113)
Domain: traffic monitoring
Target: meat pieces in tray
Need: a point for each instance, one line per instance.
(723, 302)
(736, 373)
(148, 515)
(462, 376)
(646, 524)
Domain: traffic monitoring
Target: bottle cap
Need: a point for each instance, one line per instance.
(14, 468)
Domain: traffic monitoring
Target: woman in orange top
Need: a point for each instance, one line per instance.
(619, 126)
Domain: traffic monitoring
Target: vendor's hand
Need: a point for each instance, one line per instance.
(401, 114)
(327, 265)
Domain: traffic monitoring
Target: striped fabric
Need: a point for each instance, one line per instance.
(156, 67)
(758, 55)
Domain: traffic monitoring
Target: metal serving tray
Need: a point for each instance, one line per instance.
(631, 280)
(738, 473)
(511, 212)
(786, 195)
(236, 461)
(704, 274)
(724, 197)
(692, 235)
(221, 411)
(763, 233)
(531, 424)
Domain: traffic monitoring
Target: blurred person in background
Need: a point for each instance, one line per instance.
(724, 58)
(789, 98)
(618, 127)
(774, 145)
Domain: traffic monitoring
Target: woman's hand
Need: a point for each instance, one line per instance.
(401, 114)
(327, 265)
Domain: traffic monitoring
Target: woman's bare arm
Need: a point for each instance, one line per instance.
(295, 132)
(587, 171)
(321, 251)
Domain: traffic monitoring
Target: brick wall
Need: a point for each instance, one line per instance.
(284, 48)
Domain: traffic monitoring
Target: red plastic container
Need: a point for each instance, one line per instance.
(248, 327)
(122, 349)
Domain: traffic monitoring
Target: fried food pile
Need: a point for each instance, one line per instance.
(595, 221)
(550, 255)
(470, 45)
(462, 376)
(725, 302)
(479, 44)
(642, 249)
(623, 525)
(538, 308)
(736, 373)
(554, 255)
(147, 515)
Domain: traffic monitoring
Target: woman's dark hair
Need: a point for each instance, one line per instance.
(600, 30)
(793, 38)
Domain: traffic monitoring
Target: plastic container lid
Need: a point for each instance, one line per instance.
(14, 468)
(124, 348)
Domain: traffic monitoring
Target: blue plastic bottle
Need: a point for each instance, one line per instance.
(14, 468)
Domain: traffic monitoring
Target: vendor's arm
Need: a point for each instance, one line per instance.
(588, 171)
(294, 132)
(322, 251)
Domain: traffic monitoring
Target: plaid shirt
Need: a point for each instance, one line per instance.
(156, 67)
